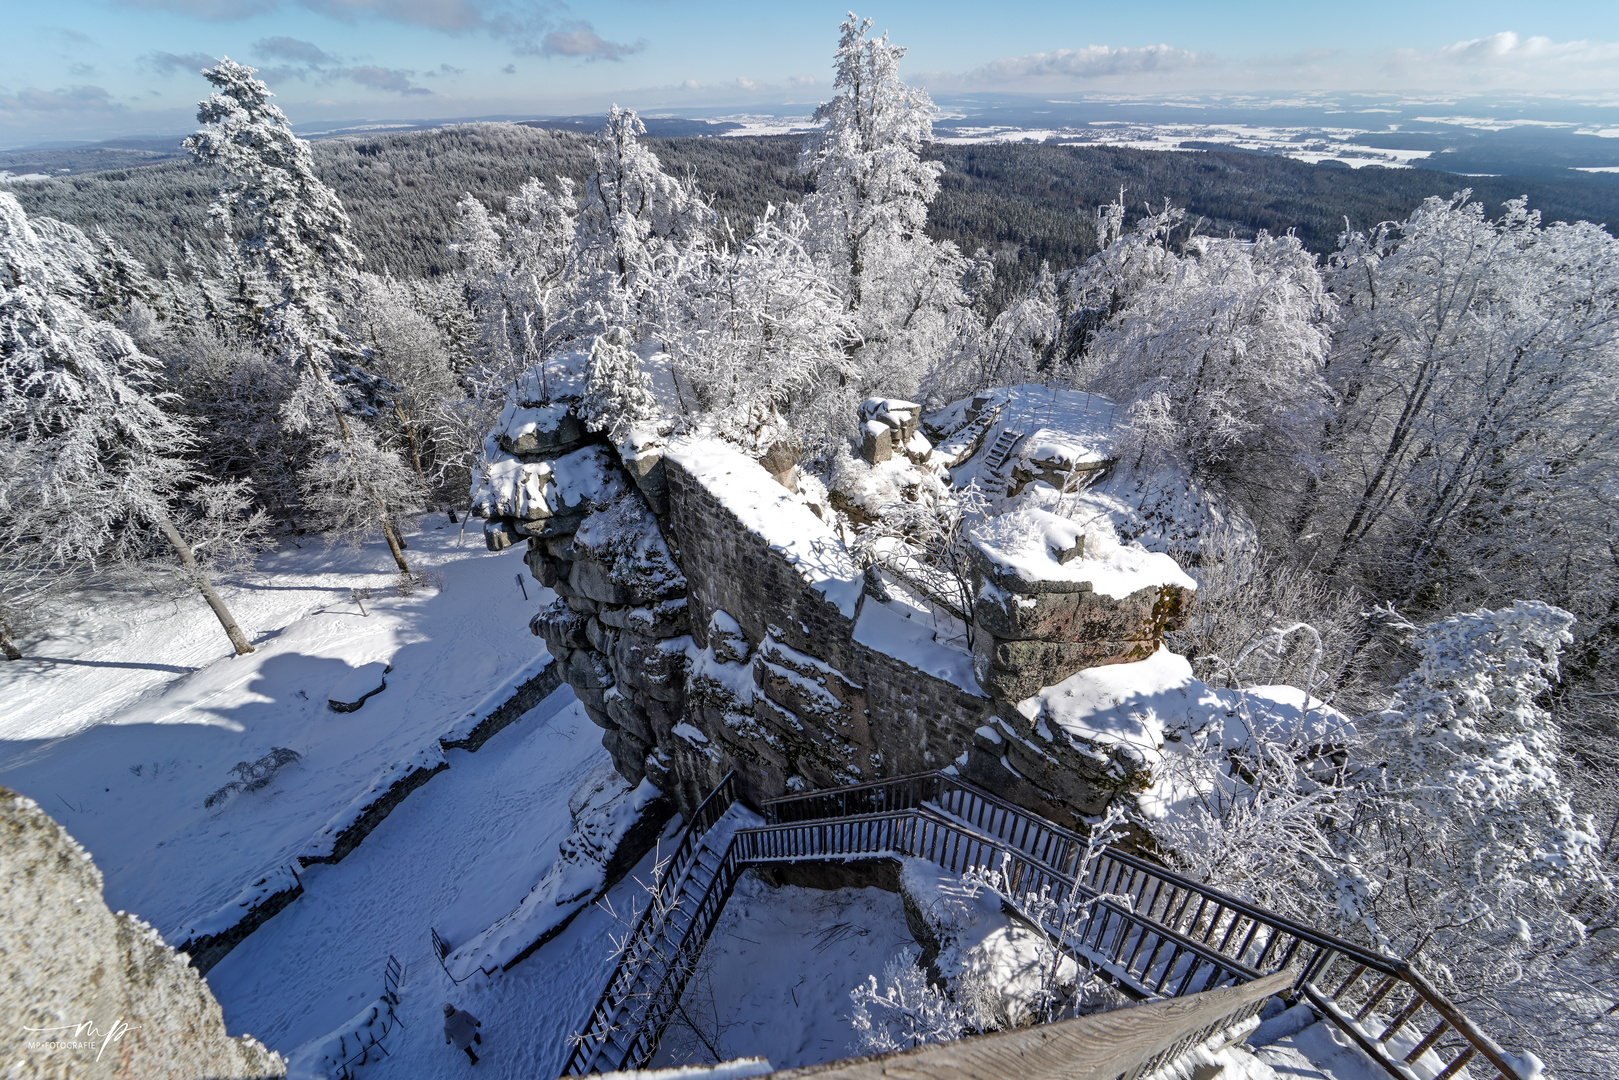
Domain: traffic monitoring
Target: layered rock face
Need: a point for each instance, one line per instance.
(710, 620)
(88, 993)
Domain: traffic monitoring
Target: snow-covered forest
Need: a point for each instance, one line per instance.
(1412, 443)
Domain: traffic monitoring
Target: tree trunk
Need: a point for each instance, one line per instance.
(348, 439)
(7, 646)
(204, 586)
(393, 543)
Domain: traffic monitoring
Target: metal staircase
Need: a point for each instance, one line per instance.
(1001, 451)
(1154, 934)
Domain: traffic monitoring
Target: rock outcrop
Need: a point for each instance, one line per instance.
(711, 620)
(93, 994)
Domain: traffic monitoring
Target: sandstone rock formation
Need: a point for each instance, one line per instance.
(87, 993)
(711, 620)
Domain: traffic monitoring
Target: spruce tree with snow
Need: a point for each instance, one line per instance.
(295, 232)
(95, 474)
(869, 212)
(618, 392)
(292, 224)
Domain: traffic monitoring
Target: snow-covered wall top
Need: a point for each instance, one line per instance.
(783, 519)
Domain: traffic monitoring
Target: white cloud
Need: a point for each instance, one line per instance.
(1508, 48)
(1506, 59)
(579, 40)
(1075, 65)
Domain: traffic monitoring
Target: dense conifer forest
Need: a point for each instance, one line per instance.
(1026, 203)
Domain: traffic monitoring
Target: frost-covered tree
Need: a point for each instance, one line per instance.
(1023, 340)
(1470, 760)
(906, 1011)
(1477, 431)
(868, 214)
(636, 224)
(294, 231)
(1215, 349)
(764, 344)
(521, 277)
(408, 350)
(292, 225)
(618, 391)
(95, 472)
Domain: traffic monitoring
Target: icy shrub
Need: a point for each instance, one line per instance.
(254, 776)
(906, 1012)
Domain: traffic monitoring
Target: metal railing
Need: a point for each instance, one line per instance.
(1142, 958)
(643, 944)
(1152, 932)
(1345, 982)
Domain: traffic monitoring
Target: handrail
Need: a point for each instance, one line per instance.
(1168, 931)
(1124, 1044)
(1111, 935)
(1270, 942)
(633, 955)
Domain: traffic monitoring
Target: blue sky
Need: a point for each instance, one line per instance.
(91, 69)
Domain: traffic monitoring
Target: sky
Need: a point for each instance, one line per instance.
(96, 69)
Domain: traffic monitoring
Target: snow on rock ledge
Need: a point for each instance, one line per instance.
(785, 521)
(605, 811)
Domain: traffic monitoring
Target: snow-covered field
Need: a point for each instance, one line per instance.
(134, 710)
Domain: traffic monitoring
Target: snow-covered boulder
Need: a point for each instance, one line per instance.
(1055, 597)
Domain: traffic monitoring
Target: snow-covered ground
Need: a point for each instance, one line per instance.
(133, 712)
(455, 856)
(775, 978)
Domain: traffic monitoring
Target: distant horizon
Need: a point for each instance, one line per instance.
(1589, 111)
(90, 70)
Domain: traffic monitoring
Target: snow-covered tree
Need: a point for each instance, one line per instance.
(764, 344)
(635, 220)
(405, 348)
(1216, 349)
(905, 1011)
(618, 391)
(868, 214)
(1477, 433)
(95, 468)
(294, 231)
(1023, 340)
(293, 226)
(521, 277)
(1470, 764)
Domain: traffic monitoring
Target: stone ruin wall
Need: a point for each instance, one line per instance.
(780, 691)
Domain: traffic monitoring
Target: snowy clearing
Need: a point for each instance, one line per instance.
(134, 713)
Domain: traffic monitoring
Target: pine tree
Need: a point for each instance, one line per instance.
(295, 231)
(95, 468)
